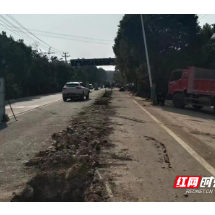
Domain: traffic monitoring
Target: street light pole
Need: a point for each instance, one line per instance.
(147, 58)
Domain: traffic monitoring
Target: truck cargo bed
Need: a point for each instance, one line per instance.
(201, 81)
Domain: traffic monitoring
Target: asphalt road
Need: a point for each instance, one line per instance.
(38, 118)
(151, 146)
(29, 103)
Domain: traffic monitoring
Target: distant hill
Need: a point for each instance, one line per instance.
(109, 75)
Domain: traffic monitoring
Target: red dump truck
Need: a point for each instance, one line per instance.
(195, 86)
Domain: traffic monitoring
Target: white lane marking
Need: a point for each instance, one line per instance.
(201, 160)
(20, 107)
(23, 112)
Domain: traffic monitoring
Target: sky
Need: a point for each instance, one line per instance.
(91, 36)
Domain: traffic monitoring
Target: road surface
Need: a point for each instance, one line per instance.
(38, 118)
(153, 145)
(29, 103)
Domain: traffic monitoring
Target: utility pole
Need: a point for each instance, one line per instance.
(49, 52)
(147, 59)
(35, 44)
(65, 55)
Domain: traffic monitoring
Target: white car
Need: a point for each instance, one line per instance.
(75, 90)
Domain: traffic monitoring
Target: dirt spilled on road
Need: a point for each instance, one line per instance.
(161, 146)
(66, 171)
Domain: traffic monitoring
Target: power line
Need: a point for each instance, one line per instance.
(69, 35)
(6, 28)
(10, 29)
(19, 32)
(22, 33)
(13, 29)
(22, 26)
(203, 16)
(10, 16)
(72, 39)
(15, 32)
(200, 15)
(14, 20)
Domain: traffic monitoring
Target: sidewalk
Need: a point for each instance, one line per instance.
(145, 160)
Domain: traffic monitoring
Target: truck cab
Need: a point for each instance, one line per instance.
(178, 82)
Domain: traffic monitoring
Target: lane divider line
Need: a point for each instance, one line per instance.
(20, 113)
(201, 160)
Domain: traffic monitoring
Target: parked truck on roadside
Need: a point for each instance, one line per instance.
(194, 86)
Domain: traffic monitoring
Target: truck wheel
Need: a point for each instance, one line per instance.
(197, 106)
(64, 99)
(88, 95)
(178, 100)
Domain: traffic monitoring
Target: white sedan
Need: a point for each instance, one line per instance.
(75, 90)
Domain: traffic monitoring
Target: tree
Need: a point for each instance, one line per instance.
(205, 50)
(28, 73)
(171, 40)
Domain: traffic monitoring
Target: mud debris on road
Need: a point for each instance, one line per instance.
(66, 171)
(161, 146)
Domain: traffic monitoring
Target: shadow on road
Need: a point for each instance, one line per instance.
(205, 113)
(3, 125)
(77, 100)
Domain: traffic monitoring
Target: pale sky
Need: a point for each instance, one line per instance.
(99, 28)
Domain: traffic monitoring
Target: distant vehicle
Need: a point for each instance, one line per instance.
(107, 85)
(195, 86)
(90, 86)
(75, 90)
(96, 86)
(122, 89)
